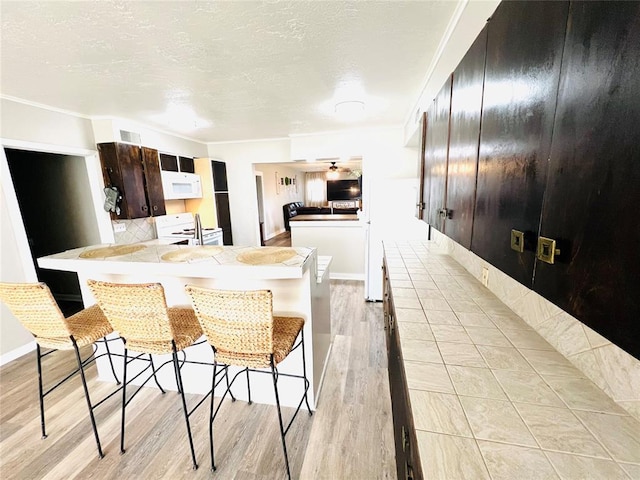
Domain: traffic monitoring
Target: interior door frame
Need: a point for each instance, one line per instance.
(96, 186)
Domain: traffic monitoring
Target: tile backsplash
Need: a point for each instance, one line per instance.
(615, 371)
(138, 230)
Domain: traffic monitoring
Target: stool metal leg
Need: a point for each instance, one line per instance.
(184, 405)
(40, 391)
(124, 398)
(284, 443)
(153, 369)
(249, 387)
(113, 370)
(304, 373)
(86, 394)
(213, 388)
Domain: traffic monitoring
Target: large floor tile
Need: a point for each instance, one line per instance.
(407, 302)
(475, 382)
(404, 293)
(620, 435)
(558, 429)
(420, 351)
(461, 354)
(510, 462)
(528, 387)
(446, 457)
(633, 470)
(582, 394)
(496, 420)
(438, 412)
(572, 467)
(503, 358)
(428, 376)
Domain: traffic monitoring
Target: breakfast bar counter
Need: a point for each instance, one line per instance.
(299, 288)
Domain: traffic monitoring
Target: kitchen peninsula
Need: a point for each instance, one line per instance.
(342, 236)
(298, 278)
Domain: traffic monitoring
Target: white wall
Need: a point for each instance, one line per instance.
(243, 204)
(275, 197)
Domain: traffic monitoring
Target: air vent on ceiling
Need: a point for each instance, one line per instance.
(130, 137)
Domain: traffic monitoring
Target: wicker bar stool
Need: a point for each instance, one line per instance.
(242, 331)
(140, 314)
(34, 306)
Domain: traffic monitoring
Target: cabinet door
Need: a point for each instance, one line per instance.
(592, 200)
(187, 165)
(437, 154)
(466, 109)
(524, 50)
(153, 181)
(122, 168)
(219, 176)
(224, 217)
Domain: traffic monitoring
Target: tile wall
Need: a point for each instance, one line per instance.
(138, 230)
(616, 372)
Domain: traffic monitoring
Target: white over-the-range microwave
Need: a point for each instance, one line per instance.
(181, 185)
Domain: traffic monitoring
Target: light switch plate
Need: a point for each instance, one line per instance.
(119, 227)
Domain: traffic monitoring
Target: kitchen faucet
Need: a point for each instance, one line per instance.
(197, 234)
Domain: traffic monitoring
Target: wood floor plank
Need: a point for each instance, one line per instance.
(350, 435)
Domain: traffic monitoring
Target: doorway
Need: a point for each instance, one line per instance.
(53, 191)
(260, 198)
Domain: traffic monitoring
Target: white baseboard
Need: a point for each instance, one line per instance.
(347, 276)
(282, 230)
(17, 353)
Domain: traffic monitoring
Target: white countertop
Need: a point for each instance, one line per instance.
(222, 262)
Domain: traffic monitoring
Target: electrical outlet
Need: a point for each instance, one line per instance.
(119, 227)
(485, 276)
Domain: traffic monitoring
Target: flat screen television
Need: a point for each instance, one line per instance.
(343, 189)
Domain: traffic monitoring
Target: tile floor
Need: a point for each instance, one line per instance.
(490, 397)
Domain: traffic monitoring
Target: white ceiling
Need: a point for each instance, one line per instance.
(250, 69)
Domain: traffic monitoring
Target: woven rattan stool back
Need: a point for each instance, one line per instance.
(137, 311)
(34, 306)
(235, 321)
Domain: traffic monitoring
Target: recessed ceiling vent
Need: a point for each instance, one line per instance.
(130, 137)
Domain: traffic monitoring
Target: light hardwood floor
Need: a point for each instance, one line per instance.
(349, 437)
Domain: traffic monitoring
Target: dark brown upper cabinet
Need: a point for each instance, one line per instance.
(135, 171)
(420, 200)
(436, 155)
(466, 110)
(524, 52)
(592, 201)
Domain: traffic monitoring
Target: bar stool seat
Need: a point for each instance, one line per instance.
(36, 309)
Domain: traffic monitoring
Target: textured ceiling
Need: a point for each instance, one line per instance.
(248, 69)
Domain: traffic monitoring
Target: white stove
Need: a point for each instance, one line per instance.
(181, 227)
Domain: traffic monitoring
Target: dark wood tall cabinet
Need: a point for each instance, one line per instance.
(436, 155)
(221, 193)
(135, 171)
(558, 174)
(466, 109)
(592, 200)
(524, 52)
